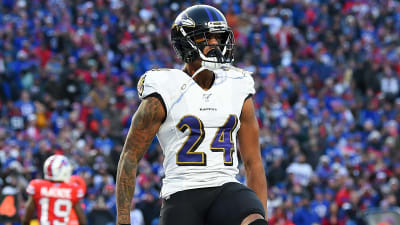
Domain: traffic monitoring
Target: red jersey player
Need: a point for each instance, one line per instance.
(77, 180)
(52, 197)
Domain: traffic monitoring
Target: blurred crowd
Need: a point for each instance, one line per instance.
(328, 102)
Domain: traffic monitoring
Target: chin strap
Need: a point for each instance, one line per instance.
(212, 61)
(211, 66)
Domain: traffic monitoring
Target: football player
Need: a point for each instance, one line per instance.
(77, 180)
(53, 197)
(198, 113)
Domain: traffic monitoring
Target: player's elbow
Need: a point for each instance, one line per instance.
(254, 166)
(252, 159)
(128, 159)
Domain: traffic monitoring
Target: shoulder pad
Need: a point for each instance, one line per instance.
(36, 182)
(154, 80)
(140, 85)
(160, 69)
(80, 193)
(244, 78)
(159, 72)
(237, 69)
(31, 188)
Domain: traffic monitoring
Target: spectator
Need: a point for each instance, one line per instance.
(136, 215)
(100, 214)
(279, 217)
(276, 173)
(301, 170)
(304, 215)
(319, 205)
(389, 84)
(334, 216)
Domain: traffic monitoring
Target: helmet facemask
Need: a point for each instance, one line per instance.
(221, 52)
(192, 42)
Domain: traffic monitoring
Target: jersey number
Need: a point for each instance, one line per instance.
(7, 207)
(62, 208)
(222, 142)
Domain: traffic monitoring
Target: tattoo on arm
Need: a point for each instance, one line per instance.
(145, 124)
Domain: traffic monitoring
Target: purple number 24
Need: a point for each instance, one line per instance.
(222, 141)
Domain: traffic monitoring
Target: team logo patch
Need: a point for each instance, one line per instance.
(140, 85)
(186, 21)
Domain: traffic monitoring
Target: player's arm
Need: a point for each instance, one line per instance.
(250, 152)
(145, 124)
(80, 213)
(29, 210)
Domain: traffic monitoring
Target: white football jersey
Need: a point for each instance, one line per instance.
(198, 136)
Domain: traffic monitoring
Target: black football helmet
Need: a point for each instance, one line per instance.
(191, 30)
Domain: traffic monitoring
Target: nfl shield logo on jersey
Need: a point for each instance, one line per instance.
(206, 97)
